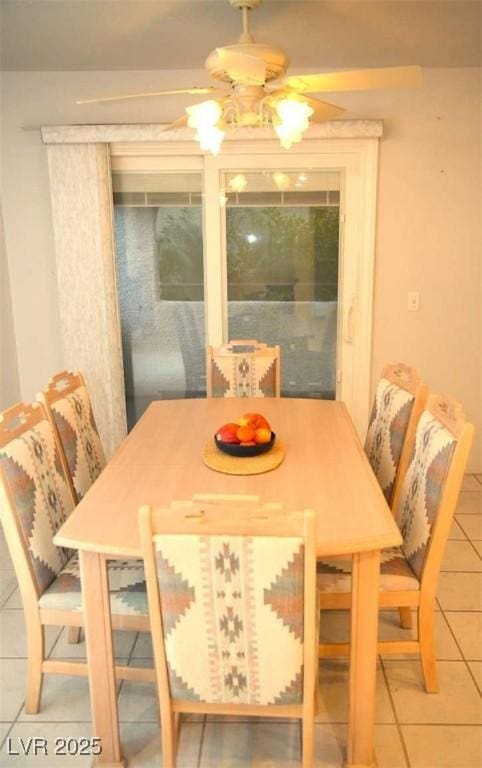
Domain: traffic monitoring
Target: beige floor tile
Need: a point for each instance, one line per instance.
(141, 745)
(143, 646)
(5, 559)
(14, 601)
(479, 478)
(388, 747)
(12, 635)
(12, 687)
(330, 746)
(476, 669)
(64, 699)
(469, 503)
(334, 694)
(8, 584)
(53, 753)
(123, 643)
(460, 591)
(4, 729)
(470, 483)
(457, 702)
(138, 703)
(445, 645)
(461, 556)
(456, 533)
(471, 526)
(467, 628)
(239, 745)
(448, 746)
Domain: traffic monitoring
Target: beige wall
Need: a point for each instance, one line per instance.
(428, 233)
(9, 381)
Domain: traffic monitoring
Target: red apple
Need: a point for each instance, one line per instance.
(227, 433)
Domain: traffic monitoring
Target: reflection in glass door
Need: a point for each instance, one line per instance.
(160, 281)
(282, 254)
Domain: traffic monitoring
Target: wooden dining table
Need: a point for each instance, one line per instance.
(161, 460)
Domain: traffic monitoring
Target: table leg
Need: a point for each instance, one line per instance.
(363, 660)
(100, 658)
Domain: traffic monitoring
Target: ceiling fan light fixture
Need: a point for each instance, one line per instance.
(210, 139)
(206, 119)
(292, 121)
(204, 115)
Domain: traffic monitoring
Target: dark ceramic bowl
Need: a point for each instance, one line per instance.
(232, 449)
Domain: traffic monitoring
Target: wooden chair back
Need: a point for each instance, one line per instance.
(35, 496)
(70, 411)
(232, 605)
(243, 368)
(426, 497)
(398, 403)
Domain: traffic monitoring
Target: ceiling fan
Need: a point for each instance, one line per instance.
(256, 91)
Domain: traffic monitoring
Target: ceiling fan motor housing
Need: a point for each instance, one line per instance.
(249, 4)
(275, 59)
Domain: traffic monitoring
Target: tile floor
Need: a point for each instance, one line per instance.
(413, 729)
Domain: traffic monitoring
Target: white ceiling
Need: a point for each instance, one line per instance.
(178, 34)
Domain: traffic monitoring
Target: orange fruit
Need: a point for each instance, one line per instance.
(245, 434)
(255, 420)
(262, 435)
(251, 442)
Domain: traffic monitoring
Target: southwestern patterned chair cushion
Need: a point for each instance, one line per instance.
(232, 613)
(243, 373)
(127, 584)
(388, 424)
(334, 573)
(80, 440)
(422, 487)
(401, 567)
(38, 490)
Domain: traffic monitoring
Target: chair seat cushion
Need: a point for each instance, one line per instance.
(334, 573)
(127, 588)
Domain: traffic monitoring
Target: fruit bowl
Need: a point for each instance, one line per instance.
(234, 449)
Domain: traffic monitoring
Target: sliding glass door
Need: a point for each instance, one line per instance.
(160, 279)
(282, 256)
(254, 243)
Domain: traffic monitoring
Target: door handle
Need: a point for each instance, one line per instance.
(348, 325)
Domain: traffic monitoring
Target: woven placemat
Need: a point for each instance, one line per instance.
(246, 465)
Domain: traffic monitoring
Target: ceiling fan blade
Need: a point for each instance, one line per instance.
(193, 91)
(242, 68)
(179, 123)
(322, 110)
(356, 80)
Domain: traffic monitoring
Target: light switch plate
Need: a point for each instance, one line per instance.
(413, 301)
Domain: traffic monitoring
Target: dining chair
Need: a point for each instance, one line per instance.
(243, 368)
(398, 403)
(232, 606)
(424, 505)
(69, 409)
(35, 500)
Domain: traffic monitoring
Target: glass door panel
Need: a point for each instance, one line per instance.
(160, 282)
(282, 260)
